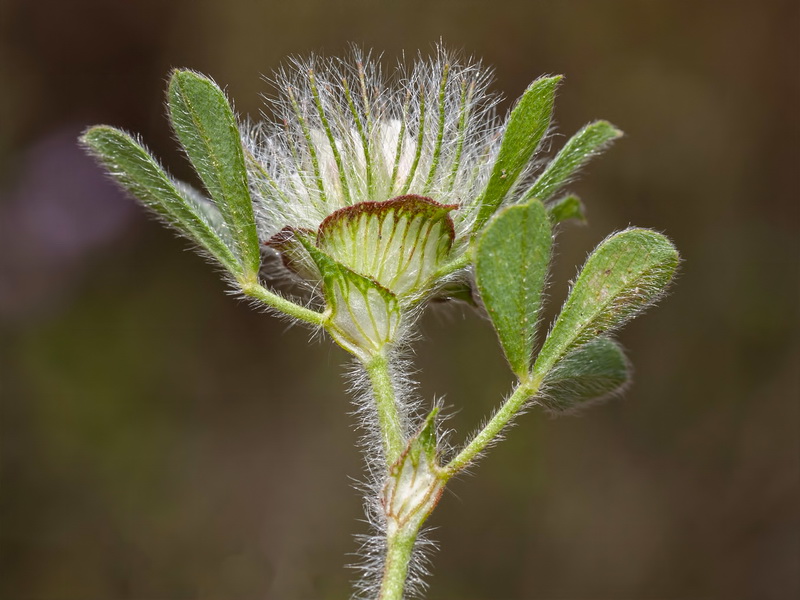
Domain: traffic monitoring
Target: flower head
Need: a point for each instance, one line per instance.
(347, 133)
(380, 177)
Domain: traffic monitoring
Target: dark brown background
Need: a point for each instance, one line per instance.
(162, 441)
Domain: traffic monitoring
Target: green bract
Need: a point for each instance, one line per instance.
(408, 240)
(401, 243)
(362, 316)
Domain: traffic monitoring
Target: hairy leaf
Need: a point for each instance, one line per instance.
(511, 265)
(566, 208)
(625, 274)
(591, 372)
(588, 142)
(138, 172)
(527, 124)
(206, 127)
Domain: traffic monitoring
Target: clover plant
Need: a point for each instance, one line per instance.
(375, 194)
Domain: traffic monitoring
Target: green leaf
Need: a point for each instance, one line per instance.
(588, 142)
(566, 208)
(206, 209)
(510, 268)
(137, 171)
(207, 130)
(591, 372)
(363, 316)
(527, 124)
(625, 274)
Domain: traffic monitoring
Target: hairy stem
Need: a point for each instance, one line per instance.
(399, 547)
(402, 529)
(392, 434)
(504, 415)
(273, 300)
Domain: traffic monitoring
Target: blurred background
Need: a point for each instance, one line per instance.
(163, 441)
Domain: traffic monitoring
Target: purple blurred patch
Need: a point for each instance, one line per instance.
(60, 209)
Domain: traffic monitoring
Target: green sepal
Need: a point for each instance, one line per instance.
(400, 243)
(565, 209)
(527, 124)
(594, 371)
(206, 128)
(511, 264)
(625, 274)
(135, 169)
(423, 445)
(362, 316)
(585, 144)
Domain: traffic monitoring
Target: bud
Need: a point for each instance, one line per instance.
(415, 481)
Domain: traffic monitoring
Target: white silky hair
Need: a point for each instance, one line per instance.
(346, 132)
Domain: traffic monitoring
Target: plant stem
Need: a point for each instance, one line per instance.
(271, 299)
(400, 539)
(496, 424)
(392, 435)
(399, 547)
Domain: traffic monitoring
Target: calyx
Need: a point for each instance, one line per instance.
(398, 243)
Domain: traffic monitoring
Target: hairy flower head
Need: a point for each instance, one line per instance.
(388, 175)
(346, 133)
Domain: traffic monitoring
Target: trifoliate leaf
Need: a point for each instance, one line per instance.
(625, 274)
(207, 130)
(400, 243)
(137, 171)
(510, 268)
(527, 124)
(588, 142)
(568, 207)
(589, 373)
